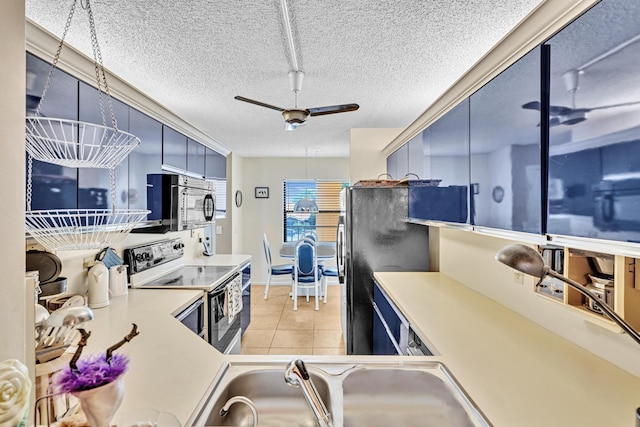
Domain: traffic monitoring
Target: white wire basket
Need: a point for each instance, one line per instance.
(77, 144)
(76, 229)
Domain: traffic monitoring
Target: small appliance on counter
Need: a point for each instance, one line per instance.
(49, 267)
(118, 284)
(98, 278)
(179, 202)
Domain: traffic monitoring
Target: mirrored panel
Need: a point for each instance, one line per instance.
(174, 148)
(594, 136)
(505, 137)
(445, 158)
(146, 158)
(195, 157)
(93, 183)
(54, 186)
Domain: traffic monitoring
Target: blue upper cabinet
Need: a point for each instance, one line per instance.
(145, 159)
(506, 149)
(54, 186)
(215, 165)
(195, 157)
(94, 184)
(594, 136)
(174, 149)
(444, 156)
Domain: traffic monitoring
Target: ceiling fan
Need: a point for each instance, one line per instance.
(559, 115)
(295, 117)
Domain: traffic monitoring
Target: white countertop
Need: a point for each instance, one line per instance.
(518, 373)
(170, 367)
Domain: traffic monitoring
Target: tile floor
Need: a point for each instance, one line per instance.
(276, 329)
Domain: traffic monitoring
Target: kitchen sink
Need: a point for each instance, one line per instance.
(357, 394)
(406, 397)
(277, 403)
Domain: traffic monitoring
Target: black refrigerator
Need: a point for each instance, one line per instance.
(374, 235)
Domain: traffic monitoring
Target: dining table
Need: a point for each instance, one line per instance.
(326, 250)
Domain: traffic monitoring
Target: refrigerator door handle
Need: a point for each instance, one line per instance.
(340, 252)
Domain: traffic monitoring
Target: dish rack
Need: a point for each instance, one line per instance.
(79, 144)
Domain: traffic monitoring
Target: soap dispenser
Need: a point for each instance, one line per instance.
(98, 285)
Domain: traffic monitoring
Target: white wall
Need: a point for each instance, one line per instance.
(12, 110)
(469, 258)
(16, 302)
(366, 160)
(237, 213)
(265, 215)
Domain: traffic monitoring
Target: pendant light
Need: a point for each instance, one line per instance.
(306, 204)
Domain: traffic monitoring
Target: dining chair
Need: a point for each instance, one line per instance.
(311, 234)
(326, 273)
(273, 270)
(306, 274)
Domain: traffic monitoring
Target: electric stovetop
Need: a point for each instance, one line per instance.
(191, 277)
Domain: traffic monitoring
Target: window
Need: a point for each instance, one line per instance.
(221, 198)
(326, 194)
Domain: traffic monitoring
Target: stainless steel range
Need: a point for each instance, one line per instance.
(160, 265)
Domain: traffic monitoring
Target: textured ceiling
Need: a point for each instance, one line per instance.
(393, 58)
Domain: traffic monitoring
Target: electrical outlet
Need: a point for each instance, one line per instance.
(518, 277)
(89, 262)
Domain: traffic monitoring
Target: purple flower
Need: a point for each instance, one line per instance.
(93, 371)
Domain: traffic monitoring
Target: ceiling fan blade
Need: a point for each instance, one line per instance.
(322, 111)
(261, 104)
(603, 107)
(554, 122)
(555, 110)
(533, 105)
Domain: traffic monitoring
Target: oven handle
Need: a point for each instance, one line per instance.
(208, 207)
(220, 289)
(217, 291)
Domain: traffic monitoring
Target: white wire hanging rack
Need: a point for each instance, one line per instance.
(78, 144)
(76, 229)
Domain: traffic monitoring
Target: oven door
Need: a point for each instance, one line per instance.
(222, 333)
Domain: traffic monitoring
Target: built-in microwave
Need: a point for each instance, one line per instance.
(179, 202)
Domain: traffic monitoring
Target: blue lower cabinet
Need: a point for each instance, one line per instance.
(382, 343)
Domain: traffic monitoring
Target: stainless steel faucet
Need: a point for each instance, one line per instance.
(240, 399)
(296, 375)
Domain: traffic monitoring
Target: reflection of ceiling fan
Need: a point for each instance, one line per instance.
(295, 117)
(559, 115)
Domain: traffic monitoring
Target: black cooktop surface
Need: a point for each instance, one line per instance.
(191, 276)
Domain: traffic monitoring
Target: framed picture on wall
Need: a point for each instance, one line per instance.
(262, 192)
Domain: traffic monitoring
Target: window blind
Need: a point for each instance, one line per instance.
(221, 198)
(326, 194)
